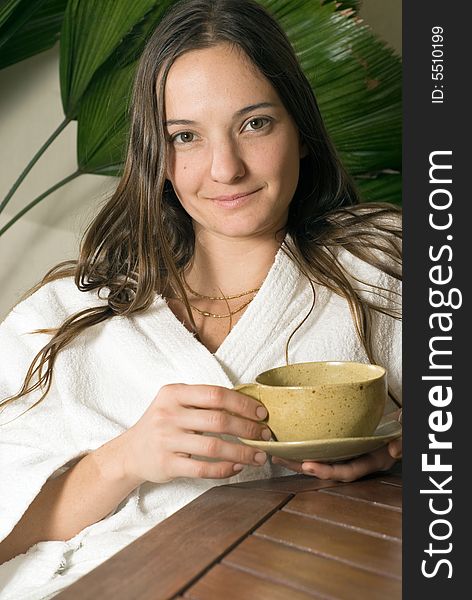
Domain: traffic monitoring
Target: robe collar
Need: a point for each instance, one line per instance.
(280, 304)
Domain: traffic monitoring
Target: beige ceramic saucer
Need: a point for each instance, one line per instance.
(330, 450)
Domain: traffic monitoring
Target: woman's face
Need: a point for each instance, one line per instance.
(234, 151)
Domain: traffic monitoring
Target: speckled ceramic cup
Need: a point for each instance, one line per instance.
(321, 400)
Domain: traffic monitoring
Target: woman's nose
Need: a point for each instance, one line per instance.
(227, 165)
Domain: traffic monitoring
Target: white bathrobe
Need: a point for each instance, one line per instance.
(106, 378)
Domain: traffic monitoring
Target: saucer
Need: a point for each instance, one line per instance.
(333, 450)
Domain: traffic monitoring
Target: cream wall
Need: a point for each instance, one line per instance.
(30, 109)
(385, 18)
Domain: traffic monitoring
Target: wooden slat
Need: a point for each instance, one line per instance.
(391, 479)
(311, 573)
(370, 491)
(291, 483)
(376, 554)
(376, 519)
(168, 557)
(231, 584)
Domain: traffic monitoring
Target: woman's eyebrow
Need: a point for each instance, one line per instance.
(238, 113)
(252, 107)
(179, 122)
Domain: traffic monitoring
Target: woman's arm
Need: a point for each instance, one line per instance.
(158, 448)
(83, 495)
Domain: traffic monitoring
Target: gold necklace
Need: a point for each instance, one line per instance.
(205, 313)
(233, 297)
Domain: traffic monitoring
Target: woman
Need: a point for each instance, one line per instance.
(234, 242)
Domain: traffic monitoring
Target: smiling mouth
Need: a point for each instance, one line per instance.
(234, 198)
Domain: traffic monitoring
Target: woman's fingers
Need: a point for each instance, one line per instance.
(215, 397)
(215, 447)
(379, 460)
(220, 421)
(189, 467)
(169, 432)
(210, 408)
(395, 448)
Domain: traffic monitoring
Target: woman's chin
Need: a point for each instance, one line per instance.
(244, 230)
(243, 226)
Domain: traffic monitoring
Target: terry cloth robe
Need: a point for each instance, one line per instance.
(107, 377)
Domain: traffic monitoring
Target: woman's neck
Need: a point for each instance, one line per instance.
(230, 265)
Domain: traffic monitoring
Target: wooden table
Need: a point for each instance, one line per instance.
(291, 538)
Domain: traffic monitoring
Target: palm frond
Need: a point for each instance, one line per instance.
(30, 29)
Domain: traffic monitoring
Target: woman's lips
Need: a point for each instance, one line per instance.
(234, 200)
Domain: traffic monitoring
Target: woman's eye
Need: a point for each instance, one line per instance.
(183, 138)
(257, 123)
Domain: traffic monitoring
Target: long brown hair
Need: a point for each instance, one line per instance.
(141, 240)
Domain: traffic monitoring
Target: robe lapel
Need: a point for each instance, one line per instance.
(191, 360)
(262, 332)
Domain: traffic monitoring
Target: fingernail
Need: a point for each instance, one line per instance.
(266, 434)
(237, 468)
(261, 412)
(260, 458)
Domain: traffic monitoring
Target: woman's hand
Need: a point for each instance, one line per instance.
(379, 460)
(159, 446)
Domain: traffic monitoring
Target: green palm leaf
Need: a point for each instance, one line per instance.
(27, 28)
(384, 187)
(133, 44)
(91, 33)
(357, 80)
(103, 111)
(352, 5)
(103, 122)
(6, 10)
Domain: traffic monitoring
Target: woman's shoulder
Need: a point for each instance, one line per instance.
(53, 302)
(372, 257)
(366, 275)
(376, 283)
